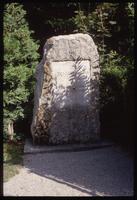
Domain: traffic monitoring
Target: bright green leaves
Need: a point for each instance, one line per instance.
(116, 67)
(20, 60)
(130, 9)
(14, 17)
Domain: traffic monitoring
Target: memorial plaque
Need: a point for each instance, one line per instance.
(73, 78)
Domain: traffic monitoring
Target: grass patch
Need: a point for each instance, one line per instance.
(13, 160)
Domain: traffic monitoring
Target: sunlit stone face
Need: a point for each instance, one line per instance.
(71, 83)
(66, 99)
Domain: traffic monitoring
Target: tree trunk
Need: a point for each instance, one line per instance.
(10, 130)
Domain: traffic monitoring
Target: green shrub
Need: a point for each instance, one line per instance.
(20, 59)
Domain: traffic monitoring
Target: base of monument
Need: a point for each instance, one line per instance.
(30, 148)
(49, 142)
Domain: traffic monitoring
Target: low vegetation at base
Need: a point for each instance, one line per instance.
(12, 157)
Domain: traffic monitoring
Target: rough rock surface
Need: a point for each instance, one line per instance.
(66, 103)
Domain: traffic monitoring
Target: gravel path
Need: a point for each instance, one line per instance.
(98, 172)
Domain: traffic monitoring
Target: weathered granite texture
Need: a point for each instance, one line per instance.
(66, 103)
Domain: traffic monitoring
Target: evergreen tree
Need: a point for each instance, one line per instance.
(20, 60)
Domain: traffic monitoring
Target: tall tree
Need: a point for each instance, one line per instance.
(20, 59)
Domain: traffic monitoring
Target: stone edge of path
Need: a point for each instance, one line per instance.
(29, 148)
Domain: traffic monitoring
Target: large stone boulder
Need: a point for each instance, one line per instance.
(66, 99)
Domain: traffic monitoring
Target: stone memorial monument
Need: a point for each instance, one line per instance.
(66, 99)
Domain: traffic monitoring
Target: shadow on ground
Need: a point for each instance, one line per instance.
(98, 172)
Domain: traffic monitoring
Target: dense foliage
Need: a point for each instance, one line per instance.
(20, 59)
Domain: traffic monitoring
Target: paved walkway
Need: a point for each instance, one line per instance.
(96, 172)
